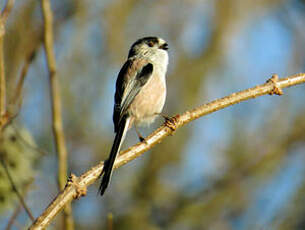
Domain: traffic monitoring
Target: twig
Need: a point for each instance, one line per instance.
(56, 108)
(76, 186)
(13, 217)
(39, 150)
(2, 75)
(20, 197)
(17, 209)
(17, 100)
(7, 10)
(9, 116)
(3, 17)
(18, 91)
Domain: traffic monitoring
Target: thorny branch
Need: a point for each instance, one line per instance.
(56, 107)
(76, 186)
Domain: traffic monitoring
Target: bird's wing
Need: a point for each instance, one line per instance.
(132, 77)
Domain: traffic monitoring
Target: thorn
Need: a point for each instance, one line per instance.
(276, 89)
(80, 190)
(171, 122)
(142, 139)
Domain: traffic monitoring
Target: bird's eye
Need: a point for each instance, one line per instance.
(150, 44)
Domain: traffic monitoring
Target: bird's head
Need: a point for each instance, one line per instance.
(149, 46)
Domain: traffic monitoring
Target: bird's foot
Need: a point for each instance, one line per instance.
(141, 138)
(170, 122)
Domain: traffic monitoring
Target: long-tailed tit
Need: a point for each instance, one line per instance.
(140, 93)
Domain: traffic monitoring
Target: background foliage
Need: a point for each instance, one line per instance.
(239, 168)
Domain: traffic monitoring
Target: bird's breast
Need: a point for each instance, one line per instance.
(150, 100)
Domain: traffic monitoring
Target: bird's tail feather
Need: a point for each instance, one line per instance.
(108, 164)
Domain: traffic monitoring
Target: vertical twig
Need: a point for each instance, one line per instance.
(3, 17)
(56, 108)
(20, 197)
(2, 76)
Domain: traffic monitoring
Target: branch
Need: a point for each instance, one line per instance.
(76, 186)
(3, 17)
(56, 107)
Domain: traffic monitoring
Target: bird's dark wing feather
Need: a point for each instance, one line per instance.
(129, 83)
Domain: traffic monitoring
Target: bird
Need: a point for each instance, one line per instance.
(140, 94)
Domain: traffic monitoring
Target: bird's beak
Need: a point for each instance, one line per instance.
(164, 46)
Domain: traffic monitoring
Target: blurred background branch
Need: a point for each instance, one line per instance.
(3, 17)
(57, 126)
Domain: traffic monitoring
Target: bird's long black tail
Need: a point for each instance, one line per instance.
(108, 164)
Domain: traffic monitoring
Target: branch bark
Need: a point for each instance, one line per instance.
(57, 126)
(76, 186)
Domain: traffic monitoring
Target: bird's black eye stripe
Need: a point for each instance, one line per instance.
(150, 44)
